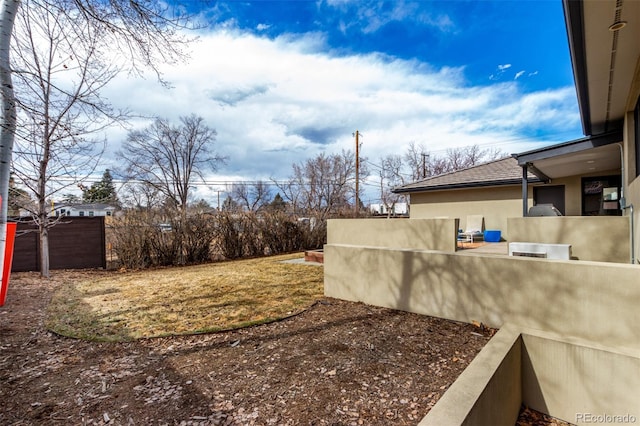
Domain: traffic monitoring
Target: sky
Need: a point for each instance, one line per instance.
(283, 81)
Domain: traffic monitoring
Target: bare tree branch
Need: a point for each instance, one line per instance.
(169, 157)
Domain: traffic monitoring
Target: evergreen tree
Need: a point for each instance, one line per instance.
(101, 192)
(71, 199)
(278, 204)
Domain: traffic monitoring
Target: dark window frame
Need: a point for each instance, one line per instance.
(610, 180)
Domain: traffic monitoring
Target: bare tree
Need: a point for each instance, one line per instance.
(415, 159)
(59, 72)
(322, 186)
(252, 196)
(468, 156)
(140, 196)
(143, 29)
(169, 158)
(421, 164)
(391, 176)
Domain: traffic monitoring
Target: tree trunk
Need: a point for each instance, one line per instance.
(44, 252)
(43, 231)
(8, 10)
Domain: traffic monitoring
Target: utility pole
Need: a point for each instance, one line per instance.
(424, 165)
(357, 172)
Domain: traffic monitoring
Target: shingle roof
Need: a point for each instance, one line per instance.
(494, 173)
(86, 206)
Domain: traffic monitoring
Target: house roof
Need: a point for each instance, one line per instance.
(87, 206)
(604, 59)
(604, 63)
(494, 173)
(603, 43)
(592, 154)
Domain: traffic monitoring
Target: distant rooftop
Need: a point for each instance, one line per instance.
(84, 206)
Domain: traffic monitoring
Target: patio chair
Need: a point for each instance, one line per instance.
(474, 229)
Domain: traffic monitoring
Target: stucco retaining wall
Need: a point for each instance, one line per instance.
(595, 301)
(422, 234)
(566, 379)
(597, 238)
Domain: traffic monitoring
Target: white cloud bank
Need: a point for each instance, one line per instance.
(275, 102)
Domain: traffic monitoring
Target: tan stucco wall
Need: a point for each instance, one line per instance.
(422, 234)
(632, 190)
(571, 381)
(633, 198)
(595, 301)
(489, 390)
(563, 378)
(581, 344)
(495, 204)
(596, 238)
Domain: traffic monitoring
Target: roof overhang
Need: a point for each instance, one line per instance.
(585, 156)
(465, 185)
(604, 60)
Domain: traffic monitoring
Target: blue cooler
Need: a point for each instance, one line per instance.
(492, 236)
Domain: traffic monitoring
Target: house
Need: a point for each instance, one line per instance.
(493, 189)
(396, 209)
(80, 210)
(569, 341)
(580, 178)
(593, 176)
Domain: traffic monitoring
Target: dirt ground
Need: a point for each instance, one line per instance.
(338, 363)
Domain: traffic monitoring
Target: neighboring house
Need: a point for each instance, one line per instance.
(398, 209)
(79, 210)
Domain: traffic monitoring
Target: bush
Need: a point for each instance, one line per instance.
(145, 239)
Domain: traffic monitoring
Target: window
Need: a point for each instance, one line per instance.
(600, 196)
(80, 213)
(108, 212)
(90, 213)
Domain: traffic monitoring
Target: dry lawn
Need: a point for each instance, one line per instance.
(175, 301)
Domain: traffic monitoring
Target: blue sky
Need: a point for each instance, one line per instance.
(478, 35)
(282, 81)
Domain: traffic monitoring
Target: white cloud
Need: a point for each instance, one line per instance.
(518, 75)
(369, 16)
(504, 67)
(276, 102)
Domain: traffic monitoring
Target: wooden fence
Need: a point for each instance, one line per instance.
(74, 243)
